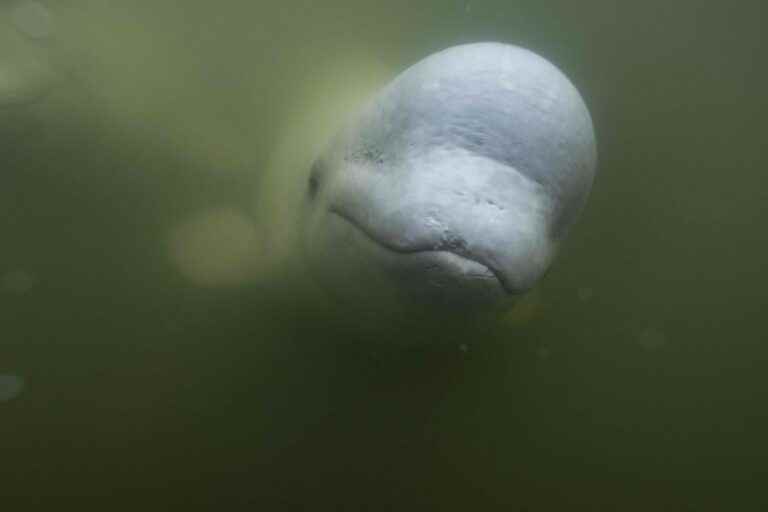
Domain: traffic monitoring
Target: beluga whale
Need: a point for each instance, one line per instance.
(454, 186)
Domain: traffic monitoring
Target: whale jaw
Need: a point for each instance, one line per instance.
(443, 228)
(359, 269)
(448, 256)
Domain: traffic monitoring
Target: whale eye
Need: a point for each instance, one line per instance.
(314, 180)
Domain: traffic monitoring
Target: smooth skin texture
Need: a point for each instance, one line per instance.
(455, 185)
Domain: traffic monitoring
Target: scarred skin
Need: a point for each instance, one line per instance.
(455, 185)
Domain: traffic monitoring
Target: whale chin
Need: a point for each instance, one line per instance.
(359, 269)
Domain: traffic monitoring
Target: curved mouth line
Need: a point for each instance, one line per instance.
(401, 250)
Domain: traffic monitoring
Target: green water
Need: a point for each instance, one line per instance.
(131, 378)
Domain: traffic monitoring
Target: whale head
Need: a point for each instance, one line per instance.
(455, 185)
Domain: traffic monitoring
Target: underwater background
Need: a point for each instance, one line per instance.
(155, 353)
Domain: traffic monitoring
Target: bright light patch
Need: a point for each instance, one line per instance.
(217, 248)
(23, 82)
(26, 67)
(33, 20)
(321, 106)
(17, 281)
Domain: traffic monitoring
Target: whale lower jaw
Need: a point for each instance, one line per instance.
(432, 274)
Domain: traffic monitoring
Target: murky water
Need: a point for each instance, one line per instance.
(162, 350)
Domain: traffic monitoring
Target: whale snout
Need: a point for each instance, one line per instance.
(490, 218)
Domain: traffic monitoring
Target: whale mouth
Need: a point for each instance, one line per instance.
(444, 253)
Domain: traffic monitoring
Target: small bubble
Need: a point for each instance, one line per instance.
(543, 352)
(463, 347)
(585, 293)
(651, 339)
(33, 20)
(10, 387)
(17, 281)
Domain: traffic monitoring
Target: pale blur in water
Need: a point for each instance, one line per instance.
(160, 350)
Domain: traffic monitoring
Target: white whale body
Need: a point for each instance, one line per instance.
(455, 185)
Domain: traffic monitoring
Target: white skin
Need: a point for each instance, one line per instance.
(455, 185)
